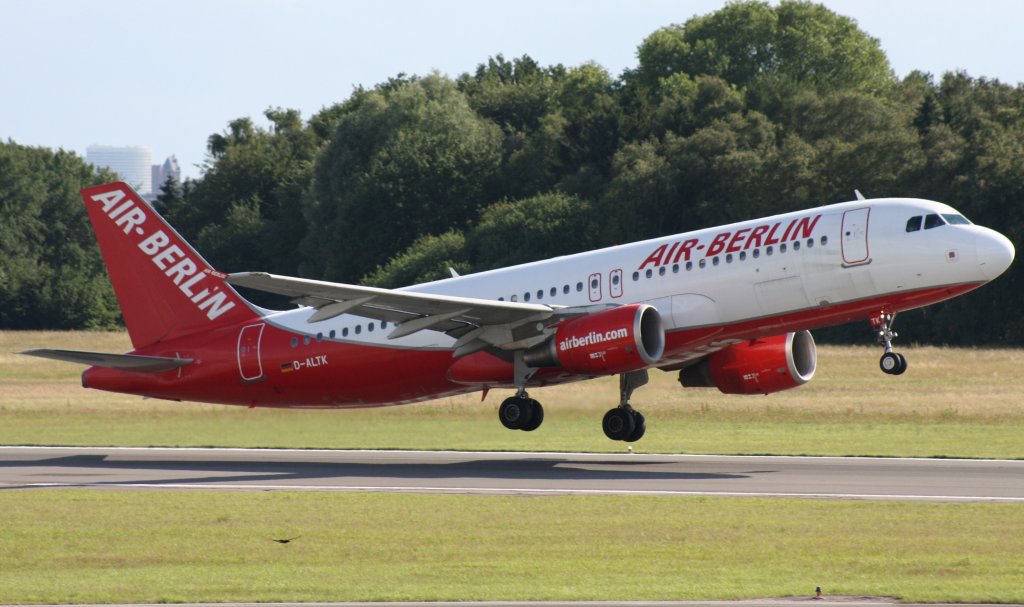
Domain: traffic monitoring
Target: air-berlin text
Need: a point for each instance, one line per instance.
(166, 256)
(733, 241)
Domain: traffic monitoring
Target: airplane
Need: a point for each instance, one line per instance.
(729, 307)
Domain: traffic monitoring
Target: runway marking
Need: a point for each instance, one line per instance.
(518, 491)
(560, 454)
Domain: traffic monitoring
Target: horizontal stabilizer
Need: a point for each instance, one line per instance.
(128, 362)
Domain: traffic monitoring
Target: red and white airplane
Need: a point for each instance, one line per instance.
(728, 307)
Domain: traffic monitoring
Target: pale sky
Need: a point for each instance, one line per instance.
(169, 74)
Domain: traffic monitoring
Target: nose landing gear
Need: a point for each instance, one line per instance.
(891, 363)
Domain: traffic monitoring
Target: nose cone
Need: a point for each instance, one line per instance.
(995, 253)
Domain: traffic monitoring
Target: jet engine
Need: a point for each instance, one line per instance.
(619, 340)
(758, 366)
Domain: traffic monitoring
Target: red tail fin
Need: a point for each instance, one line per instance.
(165, 288)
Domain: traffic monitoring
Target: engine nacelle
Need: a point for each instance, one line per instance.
(618, 340)
(759, 366)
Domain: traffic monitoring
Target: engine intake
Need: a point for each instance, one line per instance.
(759, 366)
(619, 340)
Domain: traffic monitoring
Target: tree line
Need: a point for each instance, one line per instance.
(747, 111)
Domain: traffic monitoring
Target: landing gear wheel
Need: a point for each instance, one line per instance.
(903, 364)
(618, 423)
(639, 427)
(516, 413)
(536, 416)
(893, 363)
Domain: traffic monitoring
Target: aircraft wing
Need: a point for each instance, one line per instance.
(476, 323)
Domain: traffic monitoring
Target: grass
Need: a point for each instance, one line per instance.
(951, 403)
(71, 546)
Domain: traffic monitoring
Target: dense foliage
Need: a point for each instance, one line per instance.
(750, 110)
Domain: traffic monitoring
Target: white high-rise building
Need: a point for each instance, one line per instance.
(134, 164)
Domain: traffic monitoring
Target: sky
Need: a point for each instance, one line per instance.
(169, 74)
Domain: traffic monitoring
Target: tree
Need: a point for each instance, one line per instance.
(411, 159)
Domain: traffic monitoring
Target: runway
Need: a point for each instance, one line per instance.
(536, 474)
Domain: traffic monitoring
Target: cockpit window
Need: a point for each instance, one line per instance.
(933, 221)
(914, 223)
(955, 220)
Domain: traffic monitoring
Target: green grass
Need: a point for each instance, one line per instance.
(106, 546)
(951, 403)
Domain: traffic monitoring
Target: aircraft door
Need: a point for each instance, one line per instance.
(595, 287)
(615, 283)
(855, 237)
(249, 364)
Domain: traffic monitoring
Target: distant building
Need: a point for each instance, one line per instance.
(161, 172)
(134, 164)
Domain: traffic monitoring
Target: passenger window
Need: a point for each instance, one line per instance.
(661, 271)
(757, 253)
(526, 296)
(369, 327)
(579, 287)
(649, 273)
(728, 258)
(743, 255)
(319, 337)
(796, 245)
(344, 332)
(932, 221)
(768, 250)
(540, 293)
(714, 261)
(675, 268)
(810, 242)
(332, 334)
(782, 248)
(515, 298)
(636, 276)
(914, 224)
(554, 291)
(501, 299)
(703, 263)
(565, 289)
(615, 278)
(305, 340)
(359, 329)
(689, 266)
(824, 241)
(295, 341)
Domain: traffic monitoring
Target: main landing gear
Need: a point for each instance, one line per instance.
(623, 422)
(891, 363)
(520, 412)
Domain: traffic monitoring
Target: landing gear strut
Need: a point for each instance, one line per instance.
(520, 412)
(891, 363)
(623, 422)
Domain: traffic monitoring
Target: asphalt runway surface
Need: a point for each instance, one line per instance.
(512, 473)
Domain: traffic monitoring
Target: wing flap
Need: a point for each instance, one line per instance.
(127, 362)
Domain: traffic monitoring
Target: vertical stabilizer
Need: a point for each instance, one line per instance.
(165, 288)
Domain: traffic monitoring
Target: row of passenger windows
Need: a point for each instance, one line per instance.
(741, 256)
(333, 334)
(615, 279)
(551, 292)
(935, 220)
(595, 283)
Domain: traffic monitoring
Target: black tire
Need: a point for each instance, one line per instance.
(536, 416)
(618, 423)
(639, 427)
(514, 412)
(903, 365)
(890, 363)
